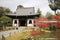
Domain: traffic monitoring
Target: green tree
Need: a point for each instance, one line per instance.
(1, 11)
(54, 4)
(54, 8)
(38, 11)
(7, 10)
(49, 15)
(5, 21)
(57, 2)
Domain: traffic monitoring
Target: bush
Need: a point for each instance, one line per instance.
(5, 21)
(47, 28)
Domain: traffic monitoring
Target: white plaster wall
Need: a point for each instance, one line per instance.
(15, 25)
(30, 25)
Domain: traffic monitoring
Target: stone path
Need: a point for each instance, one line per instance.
(7, 33)
(11, 32)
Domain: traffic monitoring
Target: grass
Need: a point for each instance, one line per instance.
(46, 35)
(26, 35)
(54, 34)
(19, 36)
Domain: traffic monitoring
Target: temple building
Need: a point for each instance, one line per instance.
(24, 16)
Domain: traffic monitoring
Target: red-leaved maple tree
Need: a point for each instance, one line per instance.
(56, 18)
(40, 22)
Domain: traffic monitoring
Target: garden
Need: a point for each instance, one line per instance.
(35, 35)
(40, 35)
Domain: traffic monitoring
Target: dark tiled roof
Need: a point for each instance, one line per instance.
(24, 11)
(21, 14)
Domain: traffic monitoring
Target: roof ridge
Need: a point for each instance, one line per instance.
(27, 7)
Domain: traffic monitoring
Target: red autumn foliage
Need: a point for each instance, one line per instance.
(33, 33)
(57, 24)
(40, 22)
(56, 18)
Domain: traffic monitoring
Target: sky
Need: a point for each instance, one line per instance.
(42, 4)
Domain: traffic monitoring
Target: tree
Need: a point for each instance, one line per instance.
(1, 11)
(20, 6)
(57, 2)
(49, 15)
(5, 21)
(4, 10)
(57, 18)
(54, 8)
(40, 22)
(7, 10)
(38, 11)
(54, 4)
